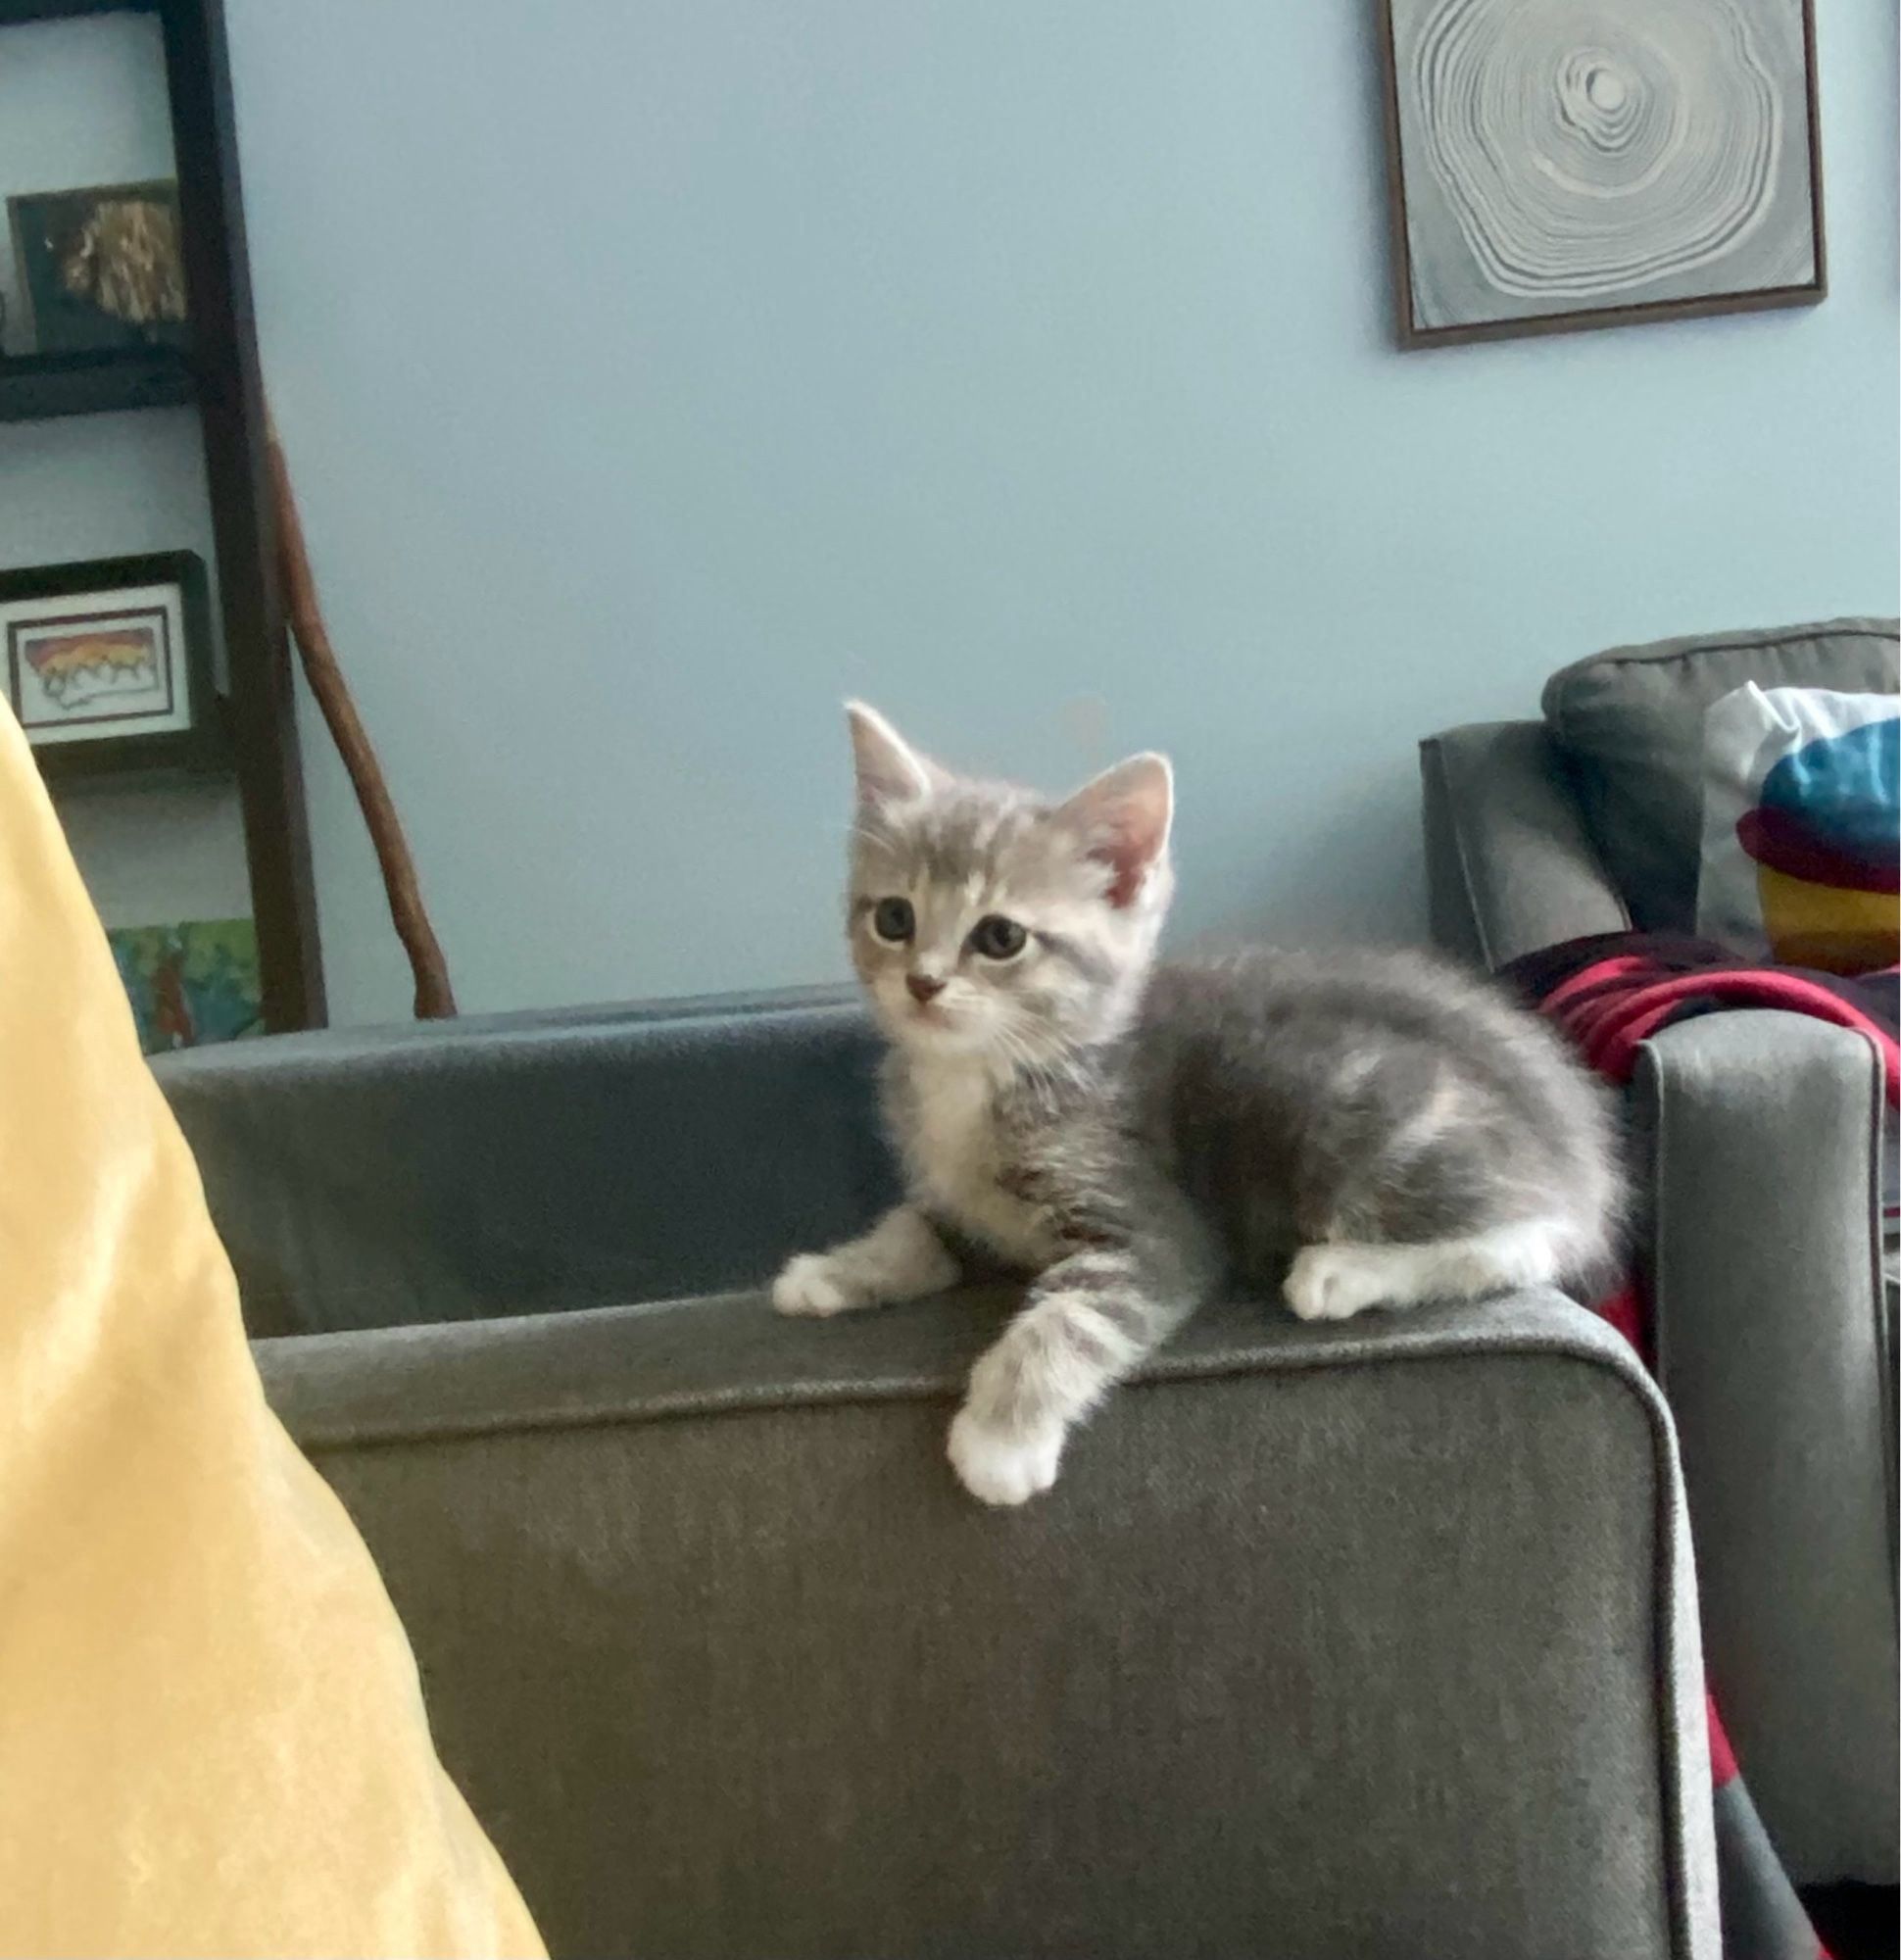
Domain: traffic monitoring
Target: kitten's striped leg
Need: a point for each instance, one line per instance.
(901, 1257)
(1089, 1320)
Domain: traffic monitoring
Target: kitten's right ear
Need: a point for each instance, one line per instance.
(1123, 818)
(889, 770)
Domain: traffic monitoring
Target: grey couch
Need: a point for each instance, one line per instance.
(1759, 1140)
(1334, 1643)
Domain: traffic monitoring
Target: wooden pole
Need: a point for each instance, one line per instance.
(435, 1000)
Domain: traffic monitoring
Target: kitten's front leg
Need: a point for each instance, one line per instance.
(901, 1257)
(1089, 1320)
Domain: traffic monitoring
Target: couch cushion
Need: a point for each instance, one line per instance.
(1630, 725)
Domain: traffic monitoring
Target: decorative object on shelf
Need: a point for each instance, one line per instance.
(435, 999)
(1598, 163)
(190, 983)
(101, 267)
(108, 663)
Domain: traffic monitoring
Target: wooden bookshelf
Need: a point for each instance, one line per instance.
(220, 375)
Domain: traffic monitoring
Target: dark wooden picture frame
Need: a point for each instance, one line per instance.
(205, 745)
(1413, 334)
(59, 322)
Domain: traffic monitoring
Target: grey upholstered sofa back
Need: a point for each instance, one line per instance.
(1628, 723)
(532, 1164)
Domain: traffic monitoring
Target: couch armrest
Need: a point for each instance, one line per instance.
(1328, 1641)
(1761, 1136)
(1509, 864)
(527, 1164)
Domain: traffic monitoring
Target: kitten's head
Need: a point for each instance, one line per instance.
(985, 921)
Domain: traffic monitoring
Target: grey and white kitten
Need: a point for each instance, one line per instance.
(1135, 1135)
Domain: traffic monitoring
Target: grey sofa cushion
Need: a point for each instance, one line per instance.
(527, 1164)
(1629, 723)
(1509, 864)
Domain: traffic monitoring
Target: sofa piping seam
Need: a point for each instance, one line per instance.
(1669, 1740)
(1629, 657)
(1449, 803)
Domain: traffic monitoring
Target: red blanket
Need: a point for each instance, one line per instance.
(1612, 992)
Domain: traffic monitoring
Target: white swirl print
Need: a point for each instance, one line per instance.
(1561, 155)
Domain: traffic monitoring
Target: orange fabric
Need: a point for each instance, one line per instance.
(212, 1740)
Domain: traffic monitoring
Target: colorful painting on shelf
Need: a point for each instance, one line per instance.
(190, 983)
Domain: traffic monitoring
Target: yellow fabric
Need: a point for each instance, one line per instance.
(212, 1740)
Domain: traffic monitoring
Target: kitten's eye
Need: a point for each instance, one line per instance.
(996, 936)
(893, 920)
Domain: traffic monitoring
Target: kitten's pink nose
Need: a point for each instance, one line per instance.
(924, 987)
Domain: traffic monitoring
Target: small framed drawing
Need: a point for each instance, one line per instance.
(1599, 162)
(108, 663)
(100, 268)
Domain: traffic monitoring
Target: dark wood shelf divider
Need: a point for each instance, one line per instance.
(36, 387)
(19, 13)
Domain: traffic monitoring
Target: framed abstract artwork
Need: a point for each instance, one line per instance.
(107, 664)
(1567, 164)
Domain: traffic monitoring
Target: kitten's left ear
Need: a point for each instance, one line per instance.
(1122, 818)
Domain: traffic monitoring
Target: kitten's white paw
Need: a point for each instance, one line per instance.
(813, 1284)
(1337, 1282)
(1003, 1467)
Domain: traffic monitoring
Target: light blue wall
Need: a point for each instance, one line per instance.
(655, 375)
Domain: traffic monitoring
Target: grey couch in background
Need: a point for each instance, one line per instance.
(1333, 1642)
(1758, 1144)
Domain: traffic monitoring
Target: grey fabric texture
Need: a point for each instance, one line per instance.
(530, 1163)
(1630, 725)
(1361, 1640)
(1366, 1640)
(1509, 864)
(1353, 1641)
(1757, 1919)
(1760, 1137)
